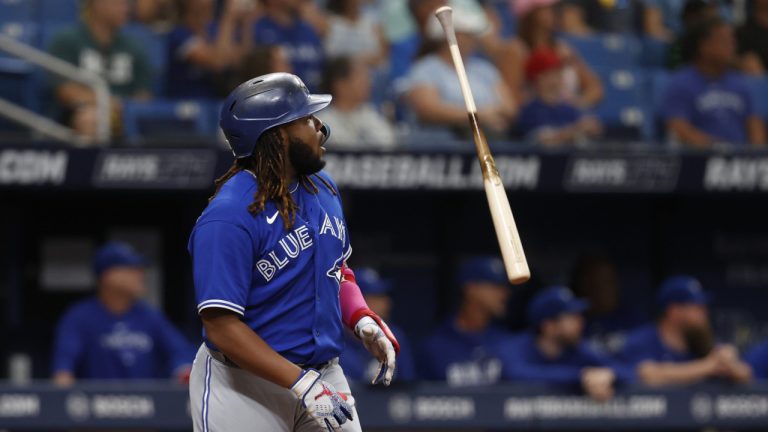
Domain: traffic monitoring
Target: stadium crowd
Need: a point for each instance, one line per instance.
(561, 343)
(554, 73)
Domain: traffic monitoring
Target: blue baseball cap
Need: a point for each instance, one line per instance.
(681, 289)
(552, 302)
(483, 269)
(116, 254)
(370, 282)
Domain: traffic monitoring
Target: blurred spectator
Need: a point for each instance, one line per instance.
(554, 352)
(693, 12)
(464, 350)
(433, 91)
(753, 39)
(354, 33)
(536, 30)
(757, 358)
(679, 348)
(666, 19)
(359, 124)
(261, 60)
(284, 24)
(195, 57)
(97, 44)
(594, 278)
(583, 17)
(114, 335)
(405, 24)
(706, 102)
(158, 14)
(548, 119)
(573, 17)
(661, 18)
(357, 362)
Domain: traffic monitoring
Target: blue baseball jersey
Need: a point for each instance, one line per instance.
(523, 361)
(284, 283)
(463, 358)
(757, 358)
(301, 43)
(360, 365)
(645, 344)
(93, 343)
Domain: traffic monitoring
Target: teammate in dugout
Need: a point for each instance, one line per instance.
(272, 286)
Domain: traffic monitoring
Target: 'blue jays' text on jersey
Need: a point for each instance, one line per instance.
(284, 283)
(93, 343)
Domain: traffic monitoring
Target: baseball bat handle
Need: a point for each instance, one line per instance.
(445, 16)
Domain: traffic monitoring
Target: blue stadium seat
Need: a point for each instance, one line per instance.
(656, 89)
(623, 109)
(654, 52)
(17, 10)
(48, 31)
(609, 50)
(165, 119)
(22, 31)
(59, 11)
(16, 75)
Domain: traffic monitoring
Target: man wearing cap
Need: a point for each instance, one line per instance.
(115, 335)
(357, 362)
(679, 348)
(554, 352)
(463, 351)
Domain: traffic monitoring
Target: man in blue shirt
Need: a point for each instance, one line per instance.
(554, 352)
(610, 316)
(463, 351)
(283, 25)
(679, 348)
(706, 102)
(114, 335)
(358, 363)
(757, 358)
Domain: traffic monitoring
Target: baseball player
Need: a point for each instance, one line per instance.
(272, 286)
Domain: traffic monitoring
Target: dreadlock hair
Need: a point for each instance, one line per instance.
(267, 163)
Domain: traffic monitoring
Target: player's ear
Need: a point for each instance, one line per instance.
(283, 131)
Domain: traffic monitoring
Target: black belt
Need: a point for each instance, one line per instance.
(219, 356)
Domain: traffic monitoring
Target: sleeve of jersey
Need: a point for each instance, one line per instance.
(222, 260)
(68, 346)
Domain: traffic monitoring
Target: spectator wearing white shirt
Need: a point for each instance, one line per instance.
(352, 32)
(432, 88)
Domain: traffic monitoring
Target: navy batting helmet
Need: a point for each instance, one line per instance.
(262, 103)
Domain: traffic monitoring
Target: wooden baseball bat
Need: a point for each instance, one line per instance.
(503, 221)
